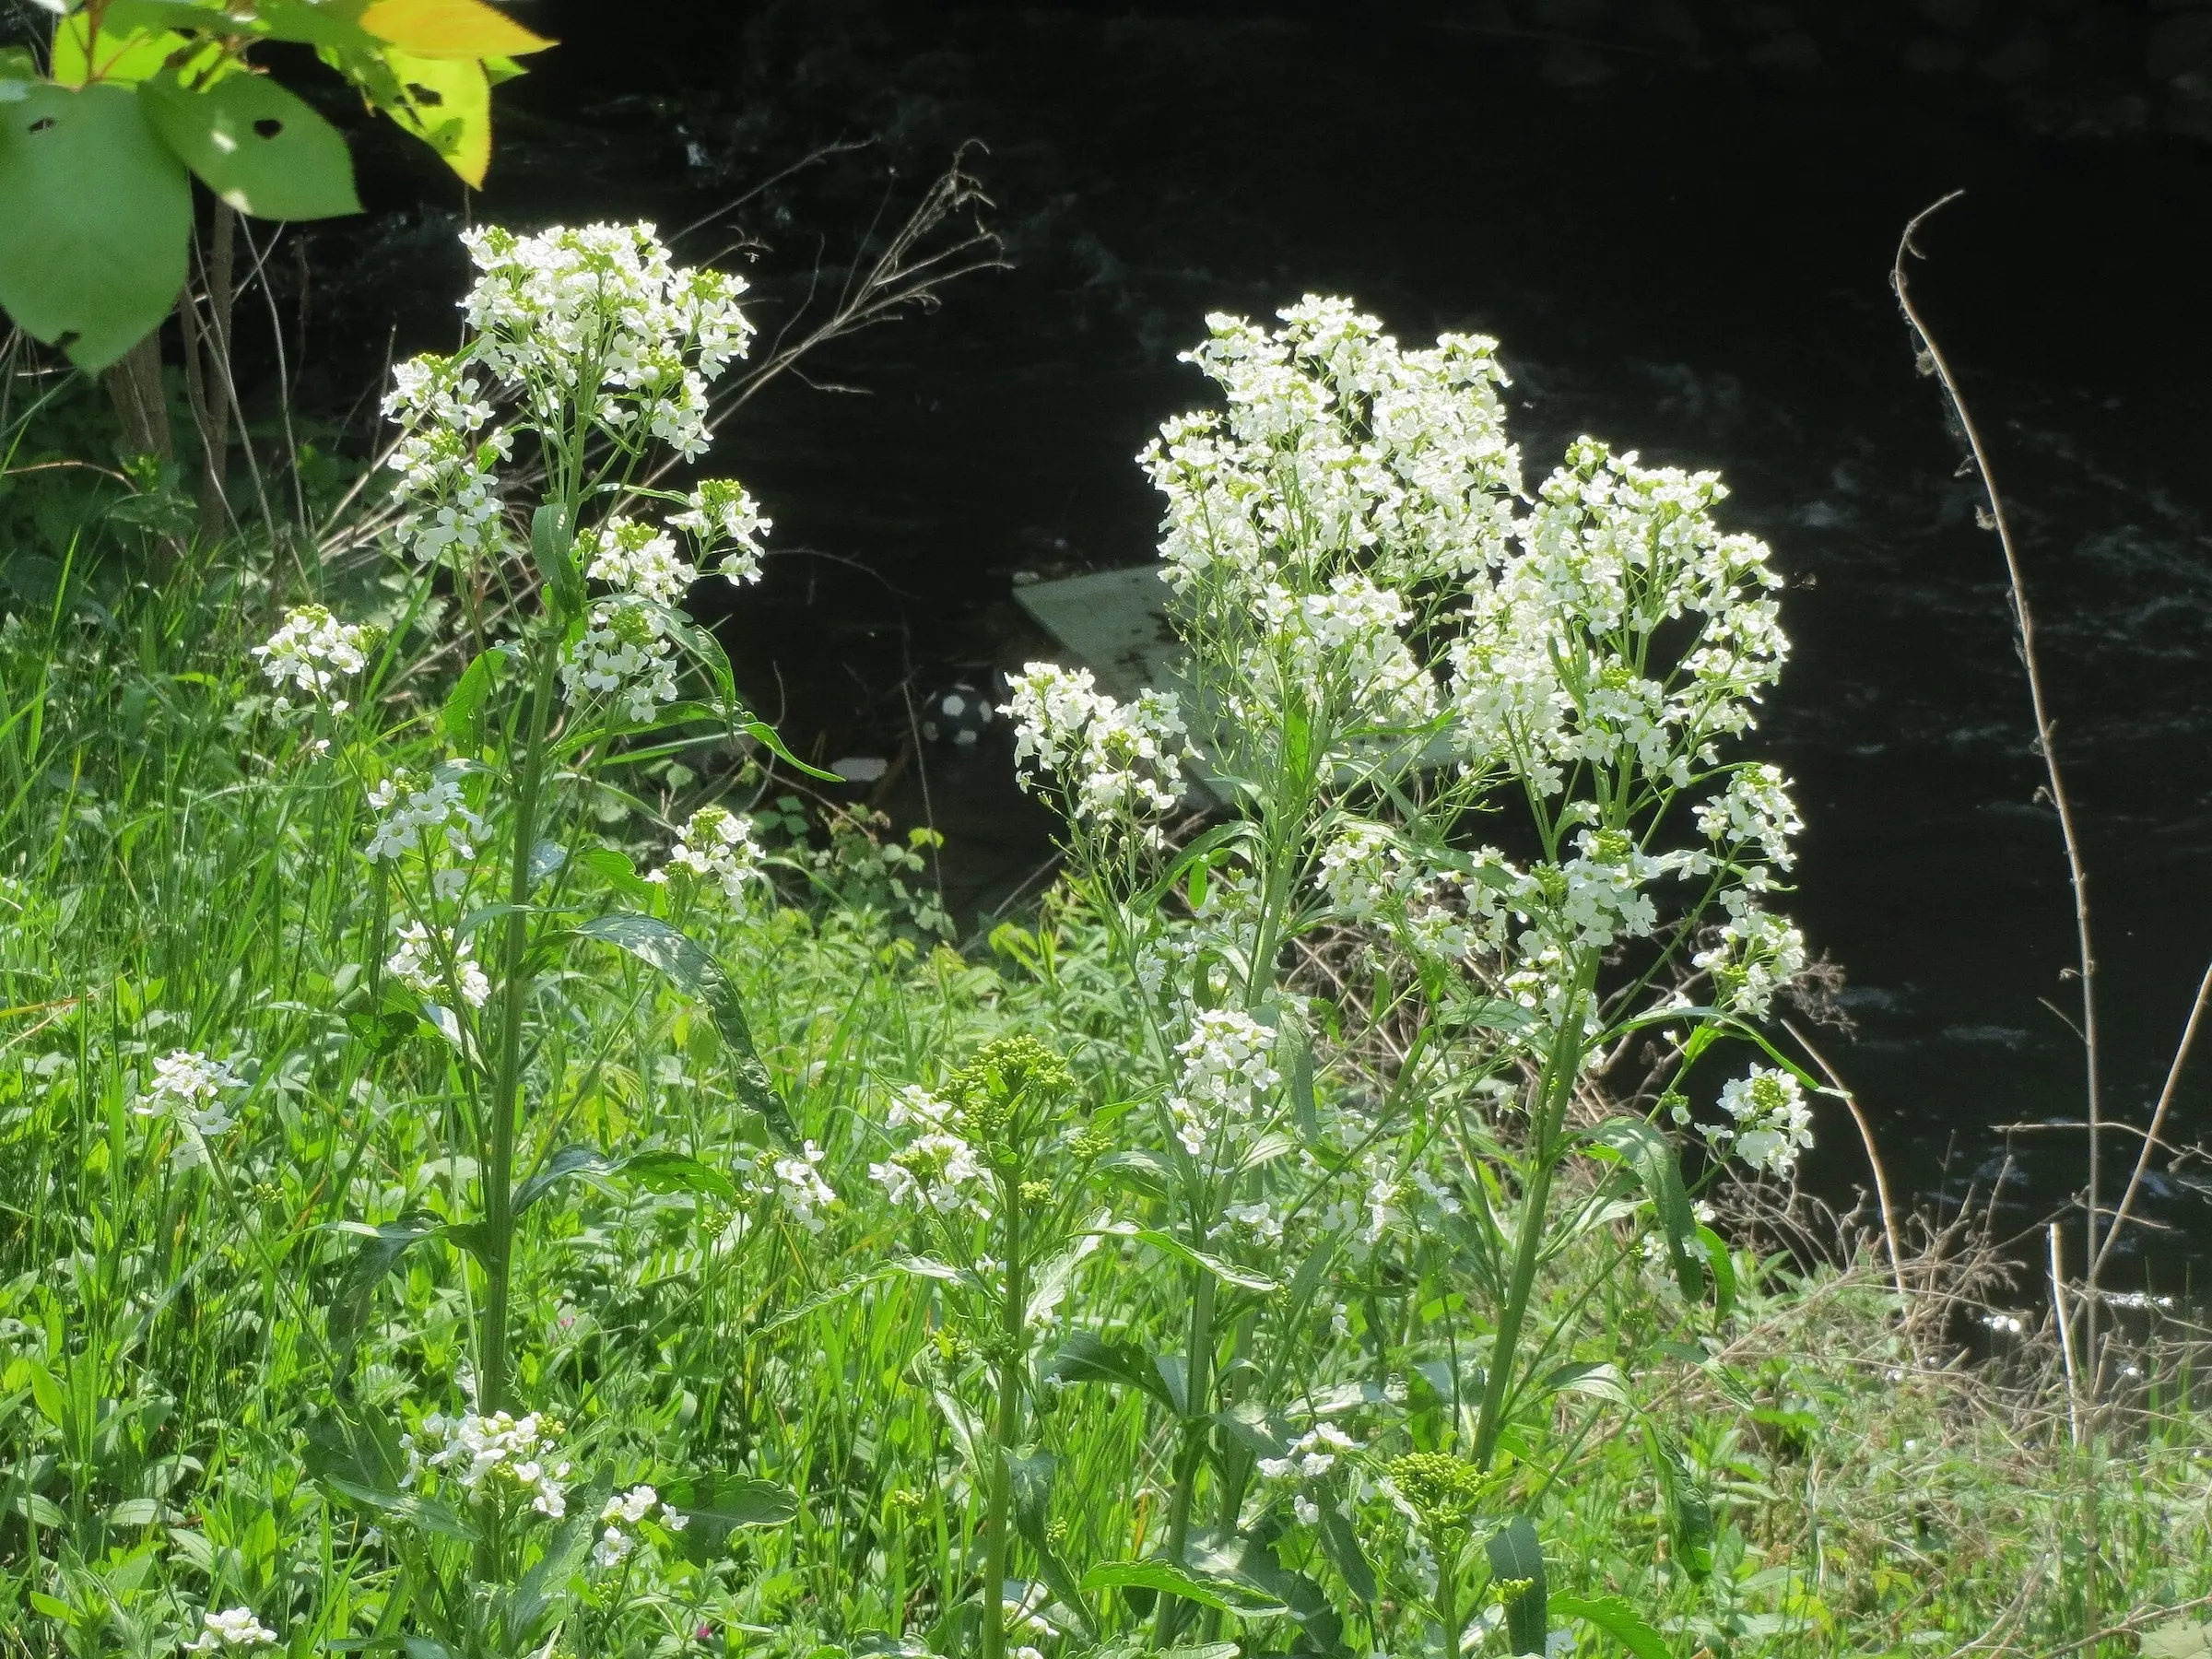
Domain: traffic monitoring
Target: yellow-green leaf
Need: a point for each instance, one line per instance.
(446, 102)
(83, 55)
(256, 146)
(98, 211)
(450, 29)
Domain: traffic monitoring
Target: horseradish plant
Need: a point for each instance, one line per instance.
(590, 353)
(1489, 839)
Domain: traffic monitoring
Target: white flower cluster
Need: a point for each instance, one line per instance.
(1309, 1458)
(1755, 954)
(1121, 764)
(188, 1089)
(714, 849)
(794, 1180)
(727, 524)
(629, 1509)
(597, 317)
(1341, 648)
(498, 1458)
(1549, 670)
(1360, 869)
(428, 817)
(634, 558)
(1227, 1067)
(312, 651)
(424, 955)
(623, 653)
(233, 1627)
(1772, 1123)
(1753, 812)
(448, 485)
(1336, 447)
(937, 1169)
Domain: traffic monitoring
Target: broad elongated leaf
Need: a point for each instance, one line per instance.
(97, 213)
(553, 545)
(381, 1250)
(1617, 1618)
(733, 1501)
(615, 869)
(1229, 1273)
(1652, 1156)
(1087, 1358)
(446, 102)
(684, 961)
(255, 145)
(450, 29)
(677, 1172)
(1689, 1512)
(421, 1513)
(557, 1168)
(1722, 1266)
(1030, 1478)
(1250, 1566)
(463, 717)
(1517, 1553)
(1599, 1381)
(1168, 1579)
(1342, 1544)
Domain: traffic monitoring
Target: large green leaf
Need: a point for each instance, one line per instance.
(1652, 1156)
(1087, 1358)
(1616, 1615)
(1517, 1555)
(97, 213)
(693, 969)
(256, 146)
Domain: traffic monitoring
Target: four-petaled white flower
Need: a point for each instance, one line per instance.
(714, 849)
(624, 654)
(795, 1181)
(188, 1087)
(427, 956)
(1772, 1123)
(312, 652)
(233, 1627)
(497, 1459)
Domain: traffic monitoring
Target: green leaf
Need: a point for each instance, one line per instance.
(421, 1513)
(97, 213)
(1229, 1273)
(381, 1250)
(123, 53)
(728, 1501)
(1087, 1358)
(1247, 1564)
(463, 718)
(1689, 1512)
(1600, 1381)
(653, 941)
(1617, 1618)
(1722, 1266)
(761, 733)
(1517, 1553)
(553, 545)
(617, 871)
(255, 145)
(1342, 1545)
(675, 1173)
(1030, 1478)
(1168, 1579)
(311, 23)
(568, 1161)
(1651, 1157)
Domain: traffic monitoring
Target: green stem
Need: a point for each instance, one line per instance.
(1198, 1385)
(507, 1081)
(1447, 1592)
(1561, 1070)
(1012, 1330)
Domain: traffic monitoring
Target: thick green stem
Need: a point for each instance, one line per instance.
(1560, 1071)
(1013, 1330)
(1198, 1385)
(1447, 1592)
(507, 1079)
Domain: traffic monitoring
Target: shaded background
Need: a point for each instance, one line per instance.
(1679, 218)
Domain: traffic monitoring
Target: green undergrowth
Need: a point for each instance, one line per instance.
(173, 1341)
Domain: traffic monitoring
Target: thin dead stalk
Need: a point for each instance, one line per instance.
(1931, 361)
(2158, 1121)
(1873, 1157)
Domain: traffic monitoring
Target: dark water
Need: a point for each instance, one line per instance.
(1683, 251)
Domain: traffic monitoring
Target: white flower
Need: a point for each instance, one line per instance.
(795, 1180)
(624, 654)
(233, 1627)
(1755, 811)
(312, 651)
(1755, 954)
(430, 817)
(498, 1458)
(937, 1171)
(1226, 1066)
(635, 559)
(1772, 1123)
(716, 848)
(727, 524)
(425, 957)
(597, 316)
(188, 1088)
(1121, 764)
(448, 490)
(1362, 869)
(1308, 1459)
